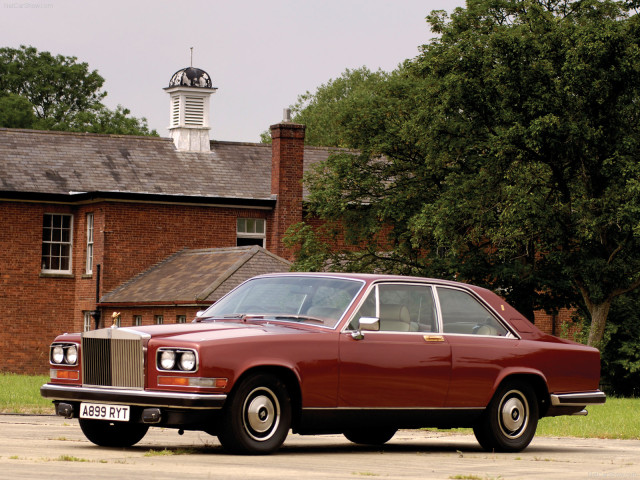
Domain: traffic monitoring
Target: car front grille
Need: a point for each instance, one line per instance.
(112, 358)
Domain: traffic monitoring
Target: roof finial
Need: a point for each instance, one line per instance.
(191, 56)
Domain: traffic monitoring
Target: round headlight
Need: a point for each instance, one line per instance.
(187, 361)
(57, 354)
(71, 355)
(167, 359)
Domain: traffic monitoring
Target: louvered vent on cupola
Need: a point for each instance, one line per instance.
(194, 110)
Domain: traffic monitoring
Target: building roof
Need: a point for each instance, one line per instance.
(68, 166)
(191, 277)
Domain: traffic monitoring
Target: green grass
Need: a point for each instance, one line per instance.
(618, 418)
(21, 394)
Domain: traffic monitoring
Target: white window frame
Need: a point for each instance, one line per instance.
(87, 322)
(252, 228)
(181, 319)
(51, 242)
(159, 319)
(89, 265)
(137, 320)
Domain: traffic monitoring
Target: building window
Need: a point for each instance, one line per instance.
(250, 231)
(181, 319)
(87, 321)
(137, 320)
(159, 319)
(89, 268)
(56, 243)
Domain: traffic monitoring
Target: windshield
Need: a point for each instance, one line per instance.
(317, 300)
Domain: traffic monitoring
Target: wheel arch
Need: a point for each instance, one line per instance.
(290, 379)
(537, 382)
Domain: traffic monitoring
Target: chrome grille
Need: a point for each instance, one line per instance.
(112, 358)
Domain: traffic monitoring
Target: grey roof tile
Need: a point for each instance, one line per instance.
(40, 162)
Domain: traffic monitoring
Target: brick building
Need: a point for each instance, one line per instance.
(83, 214)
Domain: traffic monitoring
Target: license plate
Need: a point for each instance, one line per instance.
(99, 411)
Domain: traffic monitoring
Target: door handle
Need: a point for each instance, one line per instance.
(433, 338)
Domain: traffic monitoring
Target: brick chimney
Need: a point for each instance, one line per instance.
(287, 158)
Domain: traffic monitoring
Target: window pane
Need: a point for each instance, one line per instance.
(56, 242)
(259, 226)
(241, 225)
(461, 313)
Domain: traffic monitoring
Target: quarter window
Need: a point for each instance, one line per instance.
(461, 313)
(250, 231)
(56, 243)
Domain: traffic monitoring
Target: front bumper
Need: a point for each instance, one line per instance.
(142, 398)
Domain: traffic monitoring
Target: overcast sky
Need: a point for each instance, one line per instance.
(261, 54)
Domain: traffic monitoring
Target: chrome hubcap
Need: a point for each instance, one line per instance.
(261, 414)
(514, 415)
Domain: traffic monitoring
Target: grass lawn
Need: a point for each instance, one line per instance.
(21, 394)
(618, 418)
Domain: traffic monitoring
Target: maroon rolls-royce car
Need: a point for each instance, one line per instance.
(361, 355)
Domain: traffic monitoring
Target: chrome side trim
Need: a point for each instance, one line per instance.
(578, 399)
(142, 398)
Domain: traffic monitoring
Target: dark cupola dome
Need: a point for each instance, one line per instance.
(190, 77)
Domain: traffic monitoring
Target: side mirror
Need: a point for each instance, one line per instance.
(371, 324)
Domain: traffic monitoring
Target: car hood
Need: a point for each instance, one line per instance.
(203, 331)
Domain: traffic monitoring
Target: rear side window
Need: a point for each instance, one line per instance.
(462, 313)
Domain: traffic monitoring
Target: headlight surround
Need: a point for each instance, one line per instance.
(176, 360)
(64, 354)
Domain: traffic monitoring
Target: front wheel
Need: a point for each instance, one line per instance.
(258, 416)
(510, 421)
(113, 434)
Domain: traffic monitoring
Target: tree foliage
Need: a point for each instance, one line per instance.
(510, 158)
(43, 91)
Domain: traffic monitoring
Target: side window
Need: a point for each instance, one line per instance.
(400, 308)
(461, 313)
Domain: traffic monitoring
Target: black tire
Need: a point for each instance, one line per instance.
(113, 434)
(510, 421)
(370, 436)
(258, 416)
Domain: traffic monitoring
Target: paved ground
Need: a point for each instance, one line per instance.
(53, 448)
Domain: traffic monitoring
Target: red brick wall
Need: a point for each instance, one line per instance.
(128, 239)
(33, 308)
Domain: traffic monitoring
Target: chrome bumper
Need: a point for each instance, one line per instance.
(141, 398)
(580, 399)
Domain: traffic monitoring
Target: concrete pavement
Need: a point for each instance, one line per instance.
(54, 448)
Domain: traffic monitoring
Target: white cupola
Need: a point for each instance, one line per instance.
(189, 91)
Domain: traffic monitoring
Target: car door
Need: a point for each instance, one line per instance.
(406, 363)
(481, 347)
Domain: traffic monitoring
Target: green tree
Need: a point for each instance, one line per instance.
(511, 149)
(61, 93)
(16, 111)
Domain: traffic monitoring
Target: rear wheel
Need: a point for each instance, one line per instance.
(510, 421)
(258, 416)
(113, 434)
(370, 436)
